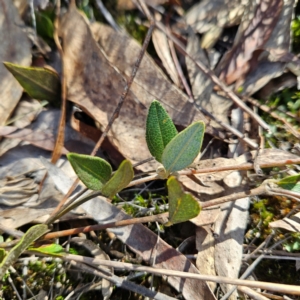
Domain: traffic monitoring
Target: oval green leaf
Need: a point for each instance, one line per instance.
(183, 149)
(291, 183)
(92, 171)
(39, 83)
(29, 237)
(160, 129)
(54, 249)
(182, 205)
(119, 180)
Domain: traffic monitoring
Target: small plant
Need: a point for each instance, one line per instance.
(175, 151)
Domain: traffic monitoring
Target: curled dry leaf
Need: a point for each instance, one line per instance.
(15, 48)
(270, 66)
(209, 184)
(202, 86)
(162, 47)
(250, 40)
(291, 224)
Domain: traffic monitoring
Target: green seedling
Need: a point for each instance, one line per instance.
(175, 151)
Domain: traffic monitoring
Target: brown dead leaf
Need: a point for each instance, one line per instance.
(96, 85)
(229, 226)
(271, 64)
(42, 139)
(230, 230)
(21, 5)
(280, 39)
(162, 48)
(206, 217)
(22, 166)
(15, 48)
(150, 82)
(209, 185)
(42, 132)
(250, 40)
(291, 224)
(202, 86)
(211, 16)
(205, 258)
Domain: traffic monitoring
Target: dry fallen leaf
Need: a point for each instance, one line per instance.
(15, 48)
(202, 86)
(290, 224)
(96, 85)
(211, 16)
(278, 42)
(162, 48)
(150, 82)
(205, 258)
(250, 40)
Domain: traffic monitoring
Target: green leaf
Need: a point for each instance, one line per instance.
(160, 129)
(44, 25)
(291, 183)
(53, 249)
(183, 148)
(119, 180)
(29, 237)
(92, 171)
(182, 205)
(39, 83)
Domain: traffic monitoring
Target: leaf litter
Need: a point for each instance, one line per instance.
(96, 76)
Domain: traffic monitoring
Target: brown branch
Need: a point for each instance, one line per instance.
(275, 287)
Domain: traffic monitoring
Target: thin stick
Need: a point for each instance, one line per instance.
(251, 268)
(269, 110)
(265, 108)
(107, 15)
(126, 90)
(118, 281)
(62, 122)
(206, 70)
(281, 288)
(179, 69)
(113, 117)
(263, 189)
